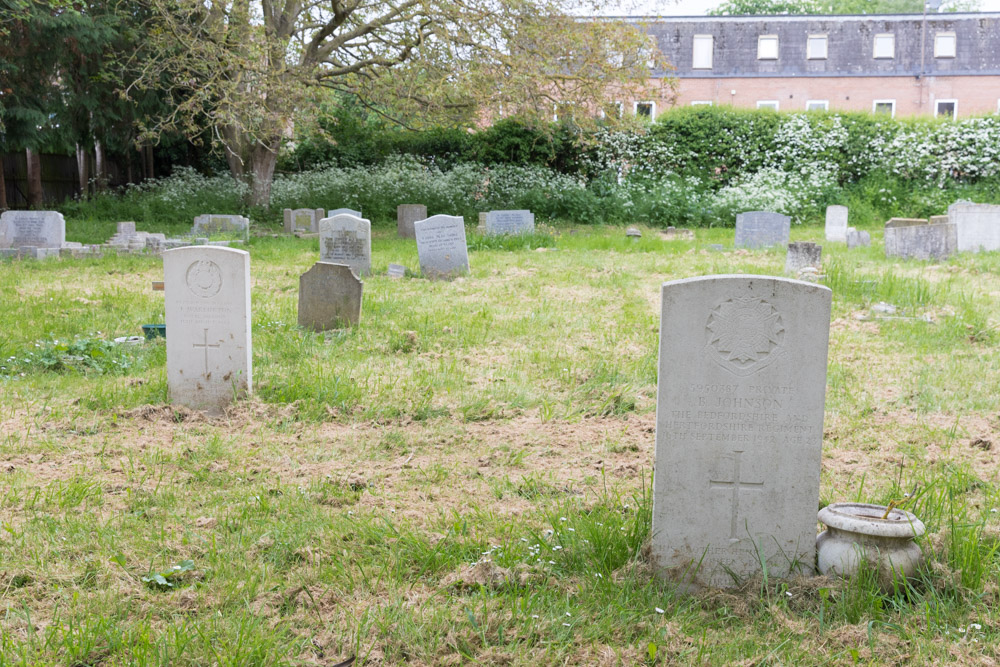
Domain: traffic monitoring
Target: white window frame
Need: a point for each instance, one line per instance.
(954, 114)
(694, 51)
(767, 104)
(825, 103)
(652, 108)
(702, 103)
(618, 104)
(763, 38)
(826, 46)
(954, 45)
(892, 103)
(875, 40)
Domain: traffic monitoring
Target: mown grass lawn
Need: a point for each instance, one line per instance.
(464, 477)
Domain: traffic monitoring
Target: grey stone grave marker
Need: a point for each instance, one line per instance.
(803, 254)
(916, 238)
(302, 220)
(977, 226)
(759, 229)
(406, 215)
(739, 427)
(329, 297)
(510, 222)
(441, 246)
(396, 271)
(207, 297)
(858, 239)
(219, 224)
(346, 239)
(36, 229)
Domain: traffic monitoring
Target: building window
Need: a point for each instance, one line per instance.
(884, 106)
(701, 103)
(885, 46)
(645, 109)
(767, 47)
(767, 104)
(817, 105)
(613, 110)
(946, 109)
(816, 47)
(944, 45)
(702, 52)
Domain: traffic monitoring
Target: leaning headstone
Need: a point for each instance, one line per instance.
(406, 215)
(510, 222)
(858, 239)
(836, 223)
(760, 229)
(37, 229)
(739, 427)
(916, 238)
(207, 295)
(329, 297)
(441, 246)
(218, 224)
(803, 254)
(396, 271)
(346, 239)
(977, 226)
(302, 220)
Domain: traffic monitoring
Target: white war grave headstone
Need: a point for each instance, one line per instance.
(207, 295)
(759, 229)
(35, 229)
(346, 239)
(441, 246)
(836, 223)
(739, 427)
(510, 222)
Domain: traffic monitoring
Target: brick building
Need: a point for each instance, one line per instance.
(904, 65)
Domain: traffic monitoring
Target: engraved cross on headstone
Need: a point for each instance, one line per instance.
(736, 484)
(206, 345)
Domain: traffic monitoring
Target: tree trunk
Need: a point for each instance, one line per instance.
(253, 163)
(147, 155)
(98, 166)
(3, 187)
(34, 178)
(82, 171)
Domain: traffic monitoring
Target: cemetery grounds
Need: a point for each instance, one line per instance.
(465, 476)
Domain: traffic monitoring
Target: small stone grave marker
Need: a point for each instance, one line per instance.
(633, 232)
(760, 229)
(836, 223)
(739, 427)
(207, 298)
(858, 239)
(396, 271)
(802, 254)
(510, 222)
(406, 215)
(302, 220)
(36, 229)
(346, 239)
(441, 246)
(329, 297)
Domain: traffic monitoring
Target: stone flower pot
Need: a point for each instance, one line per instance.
(857, 531)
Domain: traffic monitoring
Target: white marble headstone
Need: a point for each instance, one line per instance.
(441, 246)
(739, 427)
(977, 226)
(836, 223)
(349, 211)
(346, 239)
(207, 295)
(510, 222)
(37, 229)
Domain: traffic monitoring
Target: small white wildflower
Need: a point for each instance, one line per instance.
(556, 548)
(562, 518)
(567, 625)
(572, 530)
(568, 614)
(975, 626)
(788, 593)
(534, 615)
(598, 575)
(552, 562)
(658, 610)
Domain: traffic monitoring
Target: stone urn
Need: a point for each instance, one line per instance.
(857, 531)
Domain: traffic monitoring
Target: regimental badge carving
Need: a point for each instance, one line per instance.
(204, 278)
(744, 335)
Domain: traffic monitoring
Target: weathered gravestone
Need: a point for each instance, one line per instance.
(396, 271)
(977, 226)
(346, 239)
(759, 229)
(510, 222)
(207, 295)
(348, 211)
(329, 297)
(302, 220)
(803, 254)
(441, 246)
(857, 239)
(916, 238)
(836, 223)
(36, 229)
(219, 224)
(406, 215)
(739, 427)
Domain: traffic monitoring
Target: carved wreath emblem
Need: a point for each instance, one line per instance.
(744, 334)
(204, 278)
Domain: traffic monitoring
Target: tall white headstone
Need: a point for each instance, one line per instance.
(207, 295)
(836, 223)
(739, 427)
(346, 239)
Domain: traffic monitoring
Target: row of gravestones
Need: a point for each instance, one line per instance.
(739, 424)
(308, 220)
